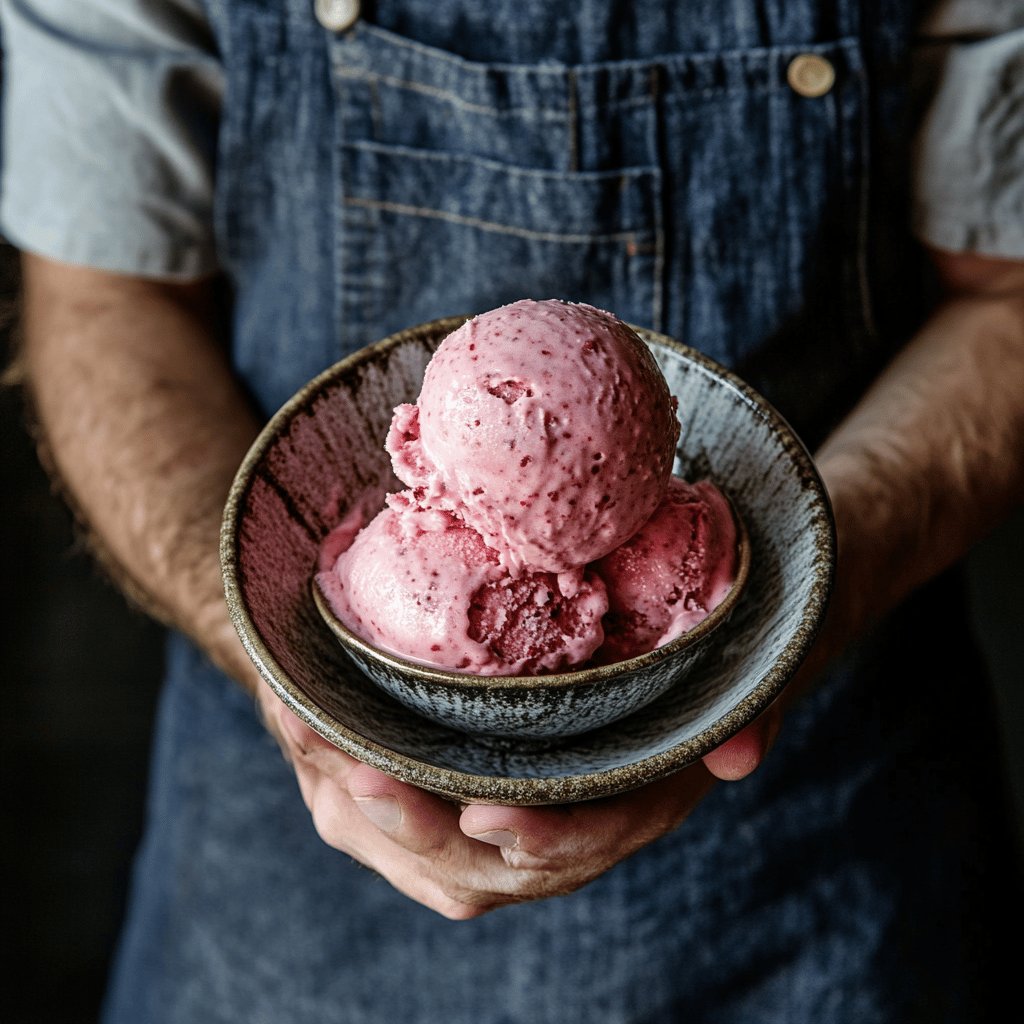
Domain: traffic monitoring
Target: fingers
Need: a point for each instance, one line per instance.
(405, 834)
(462, 862)
(385, 825)
(558, 849)
(424, 853)
(741, 754)
(419, 820)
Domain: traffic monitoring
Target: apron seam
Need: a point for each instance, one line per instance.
(486, 225)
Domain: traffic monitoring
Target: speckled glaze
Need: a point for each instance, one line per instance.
(534, 707)
(292, 488)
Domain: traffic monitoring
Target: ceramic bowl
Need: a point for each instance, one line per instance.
(544, 706)
(513, 740)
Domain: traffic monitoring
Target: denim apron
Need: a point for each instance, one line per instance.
(652, 158)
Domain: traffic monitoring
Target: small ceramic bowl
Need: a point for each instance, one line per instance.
(536, 707)
(324, 449)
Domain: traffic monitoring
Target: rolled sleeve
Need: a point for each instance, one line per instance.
(110, 115)
(969, 166)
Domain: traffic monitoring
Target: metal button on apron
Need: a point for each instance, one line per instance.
(337, 15)
(810, 75)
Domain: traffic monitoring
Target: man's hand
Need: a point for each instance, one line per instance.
(463, 862)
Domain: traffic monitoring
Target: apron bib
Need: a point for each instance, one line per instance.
(663, 161)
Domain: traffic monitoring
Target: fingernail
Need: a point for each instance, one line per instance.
(384, 811)
(499, 837)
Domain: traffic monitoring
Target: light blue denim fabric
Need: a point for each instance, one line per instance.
(450, 156)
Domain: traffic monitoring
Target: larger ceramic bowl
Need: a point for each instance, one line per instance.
(324, 448)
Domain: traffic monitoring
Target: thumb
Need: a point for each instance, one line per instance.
(739, 755)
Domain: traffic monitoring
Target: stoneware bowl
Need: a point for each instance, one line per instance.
(536, 707)
(512, 740)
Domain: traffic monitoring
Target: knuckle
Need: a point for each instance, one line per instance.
(328, 831)
(463, 903)
(527, 863)
(434, 847)
(455, 910)
(327, 820)
(298, 755)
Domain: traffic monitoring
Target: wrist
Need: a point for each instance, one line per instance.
(870, 548)
(209, 624)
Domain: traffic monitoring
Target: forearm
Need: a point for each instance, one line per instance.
(145, 426)
(931, 458)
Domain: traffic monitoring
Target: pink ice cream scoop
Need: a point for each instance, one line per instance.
(547, 427)
(675, 570)
(421, 584)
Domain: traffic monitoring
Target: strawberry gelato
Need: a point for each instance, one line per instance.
(545, 426)
(671, 573)
(541, 529)
(421, 584)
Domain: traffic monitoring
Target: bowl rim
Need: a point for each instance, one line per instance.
(461, 785)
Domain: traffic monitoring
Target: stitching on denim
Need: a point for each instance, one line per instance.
(673, 97)
(623, 104)
(448, 97)
(343, 258)
(486, 225)
(376, 114)
(610, 178)
(574, 142)
(678, 96)
(656, 153)
(658, 269)
(843, 44)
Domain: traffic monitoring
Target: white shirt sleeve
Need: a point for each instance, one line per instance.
(969, 153)
(110, 114)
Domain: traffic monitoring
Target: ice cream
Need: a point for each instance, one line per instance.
(421, 584)
(545, 426)
(541, 529)
(671, 573)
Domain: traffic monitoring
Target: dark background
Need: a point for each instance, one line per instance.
(80, 684)
(80, 676)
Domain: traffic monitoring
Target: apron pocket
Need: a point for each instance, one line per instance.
(425, 234)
